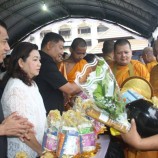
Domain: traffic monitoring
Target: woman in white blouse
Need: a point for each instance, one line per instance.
(21, 94)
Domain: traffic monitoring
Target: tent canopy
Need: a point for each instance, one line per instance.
(25, 16)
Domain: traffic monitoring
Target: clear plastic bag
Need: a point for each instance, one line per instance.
(100, 85)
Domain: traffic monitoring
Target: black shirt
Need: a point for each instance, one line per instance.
(49, 81)
(3, 139)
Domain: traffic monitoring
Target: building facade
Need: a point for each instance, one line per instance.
(93, 31)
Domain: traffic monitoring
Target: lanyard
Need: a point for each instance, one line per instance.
(130, 69)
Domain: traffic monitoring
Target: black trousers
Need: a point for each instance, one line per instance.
(116, 147)
(115, 150)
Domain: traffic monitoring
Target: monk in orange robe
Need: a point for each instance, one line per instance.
(154, 71)
(75, 62)
(149, 58)
(134, 139)
(151, 65)
(108, 51)
(123, 67)
(71, 75)
(133, 68)
(154, 80)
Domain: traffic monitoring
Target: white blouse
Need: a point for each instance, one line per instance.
(27, 101)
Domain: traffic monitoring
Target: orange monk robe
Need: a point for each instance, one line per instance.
(132, 153)
(122, 72)
(154, 79)
(70, 77)
(72, 74)
(108, 59)
(150, 65)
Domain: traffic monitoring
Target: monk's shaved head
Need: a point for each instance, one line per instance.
(148, 55)
(148, 50)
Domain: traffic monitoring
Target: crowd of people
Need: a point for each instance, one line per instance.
(37, 81)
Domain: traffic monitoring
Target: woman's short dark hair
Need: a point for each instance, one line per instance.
(22, 50)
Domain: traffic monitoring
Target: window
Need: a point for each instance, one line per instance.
(84, 30)
(89, 42)
(42, 33)
(65, 32)
(101, 28)
(31, 38)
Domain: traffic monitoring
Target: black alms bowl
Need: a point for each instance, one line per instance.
(145, 115)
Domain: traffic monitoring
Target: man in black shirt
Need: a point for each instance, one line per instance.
(50, 81)
(13, 125)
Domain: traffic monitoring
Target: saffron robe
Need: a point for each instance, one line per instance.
(154, 79)
(71, 77)
(123, 72)
(150, 65)
(132, 153)
(108, 59)
(72, 74)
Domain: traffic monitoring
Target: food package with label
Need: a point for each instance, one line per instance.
(87, 137)
(69, 142)
(50, 138)
(68, 137)
(87, 134)
(77, 135)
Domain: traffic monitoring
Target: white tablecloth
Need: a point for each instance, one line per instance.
(104, 141)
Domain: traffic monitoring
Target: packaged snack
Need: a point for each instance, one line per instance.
(69, 142)
(54, 119)
(48, 154)
(87, 137)
(50, 140)
(51, 134)
(99, 127)
(88, 142)
(61, 138)
(71, 145)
